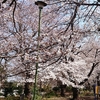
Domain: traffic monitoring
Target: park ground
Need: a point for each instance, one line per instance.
(84, 95)
(65, 98)
(62, 98)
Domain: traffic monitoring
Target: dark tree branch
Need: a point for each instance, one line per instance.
(12, 2)
(14, 14)
(93, 66)
(4, 1)
(86, 4)
(89, 74)
(73, 18)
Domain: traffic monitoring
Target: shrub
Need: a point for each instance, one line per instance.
(56, 89)
(50, 94)
(69, 89)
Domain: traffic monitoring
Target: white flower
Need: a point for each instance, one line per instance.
(26, 56)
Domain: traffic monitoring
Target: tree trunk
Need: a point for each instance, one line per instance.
(62, 87)
(27, 91)
(75, 93)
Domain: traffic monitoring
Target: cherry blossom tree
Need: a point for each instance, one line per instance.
(67, 42)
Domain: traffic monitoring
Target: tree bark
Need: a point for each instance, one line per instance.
(75, 93)
(62, 88)
(27, 91)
